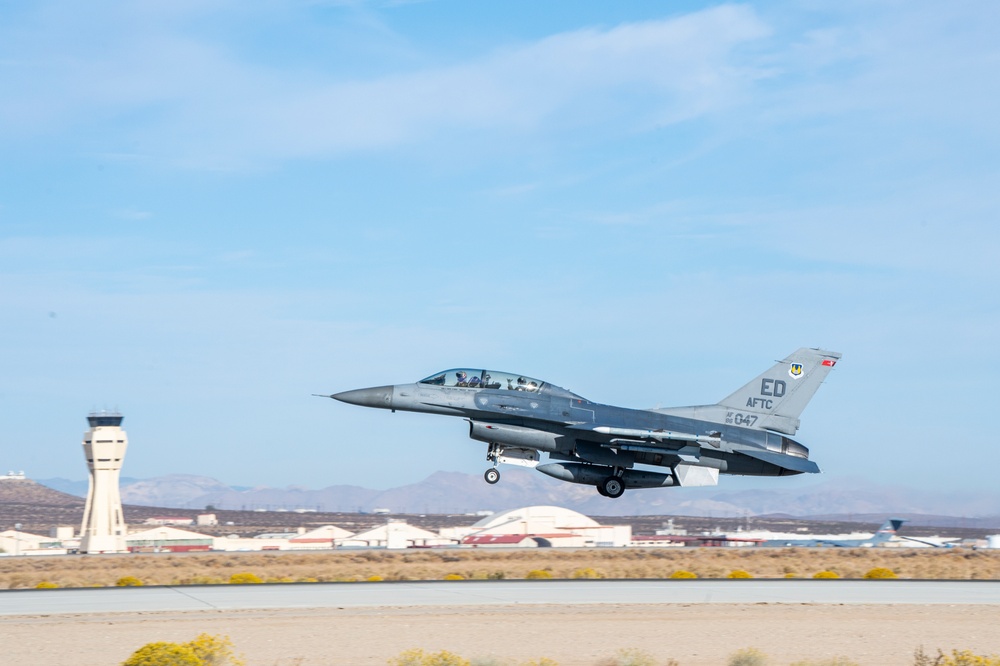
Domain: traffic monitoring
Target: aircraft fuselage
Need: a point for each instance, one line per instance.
(594, 443)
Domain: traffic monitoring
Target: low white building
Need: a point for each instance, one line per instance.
(166, 538)
(321, 537)
(395, 534)
(234, 543)
(15, 542)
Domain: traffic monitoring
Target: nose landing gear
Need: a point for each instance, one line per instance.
(509, 455)
(493, 454)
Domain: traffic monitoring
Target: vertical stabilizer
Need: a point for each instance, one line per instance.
(887, 531)
(776, 398)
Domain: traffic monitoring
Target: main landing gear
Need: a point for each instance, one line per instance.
(613, 486)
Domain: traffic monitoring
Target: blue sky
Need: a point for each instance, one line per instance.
(211, 210)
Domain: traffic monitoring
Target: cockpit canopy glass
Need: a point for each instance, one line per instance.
(483, 379)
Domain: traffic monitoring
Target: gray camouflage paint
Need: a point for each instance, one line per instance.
(747, 433)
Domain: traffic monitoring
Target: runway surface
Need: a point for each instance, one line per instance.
(487, 593)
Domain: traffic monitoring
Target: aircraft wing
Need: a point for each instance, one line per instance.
(933, 544)
(687, 446)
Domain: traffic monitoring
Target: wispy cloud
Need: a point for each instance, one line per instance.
(159, 80)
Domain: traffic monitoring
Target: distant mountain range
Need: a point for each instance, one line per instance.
(453, 492)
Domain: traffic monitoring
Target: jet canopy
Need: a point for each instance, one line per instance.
(483, 379)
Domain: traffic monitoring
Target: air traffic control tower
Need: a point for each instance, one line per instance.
(103, 528)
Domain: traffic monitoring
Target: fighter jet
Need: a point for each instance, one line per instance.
(614, 448)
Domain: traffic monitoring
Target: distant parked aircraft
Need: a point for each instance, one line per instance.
(882, 535)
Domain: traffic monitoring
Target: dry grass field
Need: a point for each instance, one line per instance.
(361, 565)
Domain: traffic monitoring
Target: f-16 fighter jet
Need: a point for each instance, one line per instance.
(614, 448)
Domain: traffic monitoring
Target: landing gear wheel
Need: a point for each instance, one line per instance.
(612, 487)
(492, 475)
(600, 490)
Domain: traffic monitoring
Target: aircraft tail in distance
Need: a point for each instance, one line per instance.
(887, 531)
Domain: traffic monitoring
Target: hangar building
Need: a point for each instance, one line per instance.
(544, 525)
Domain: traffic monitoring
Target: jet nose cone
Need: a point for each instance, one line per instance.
(379, 396)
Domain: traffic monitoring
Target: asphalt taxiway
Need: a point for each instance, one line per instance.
(487, 593)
